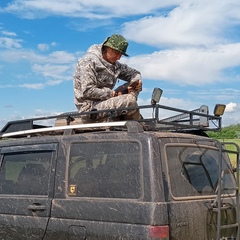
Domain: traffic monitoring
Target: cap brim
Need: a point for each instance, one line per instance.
(105, 44)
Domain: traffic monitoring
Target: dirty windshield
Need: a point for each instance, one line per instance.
(105, 169)
(193, 170)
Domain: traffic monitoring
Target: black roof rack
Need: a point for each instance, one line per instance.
(184, 120)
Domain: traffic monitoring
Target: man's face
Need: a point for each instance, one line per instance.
(112, 55)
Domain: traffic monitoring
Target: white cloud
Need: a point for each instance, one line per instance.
(52, 68)
(32, 86)
(7, 33)
(83, 26)
(190, 66)
(6, 42)
(43, 47)
(85, 8)
(61, 57)
(57, 57)
(18, 55)
(192, 23)
(220, 95)
(231, 107)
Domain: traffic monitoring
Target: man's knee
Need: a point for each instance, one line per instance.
(129, 100)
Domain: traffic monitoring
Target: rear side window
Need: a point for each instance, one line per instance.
(104, 169)
(193, 171)
(25, 172)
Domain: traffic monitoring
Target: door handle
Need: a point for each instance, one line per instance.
(36, 207)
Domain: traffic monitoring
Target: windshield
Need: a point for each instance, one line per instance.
(105, 169)
(194, 170)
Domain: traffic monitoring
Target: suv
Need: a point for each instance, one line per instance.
(153, 179)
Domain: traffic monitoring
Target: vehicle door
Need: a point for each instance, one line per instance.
(25, 194)
(192, 170)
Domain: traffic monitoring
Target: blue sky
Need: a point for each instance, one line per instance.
(189, 48)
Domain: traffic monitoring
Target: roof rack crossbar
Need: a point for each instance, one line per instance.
(184, 119)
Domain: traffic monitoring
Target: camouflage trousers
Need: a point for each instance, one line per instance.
(122, 101)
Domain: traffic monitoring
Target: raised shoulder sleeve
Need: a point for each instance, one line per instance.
(128, 74)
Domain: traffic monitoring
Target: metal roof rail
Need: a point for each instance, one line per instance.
(62, 128)
(131, 126)
(195, 119)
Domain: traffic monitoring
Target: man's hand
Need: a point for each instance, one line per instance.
(139, 86)
(136, 86)
(125, 88)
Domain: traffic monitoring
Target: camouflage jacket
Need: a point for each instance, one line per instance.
(95, 78)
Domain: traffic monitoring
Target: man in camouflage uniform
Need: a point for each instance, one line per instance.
(96, 75)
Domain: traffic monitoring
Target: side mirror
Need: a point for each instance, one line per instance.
(156, 95)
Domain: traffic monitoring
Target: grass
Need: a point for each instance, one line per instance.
(232, 148)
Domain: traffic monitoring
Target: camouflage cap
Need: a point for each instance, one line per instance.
(117, 42)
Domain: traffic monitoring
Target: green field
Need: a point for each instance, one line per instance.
(232, 148)
(237, 140)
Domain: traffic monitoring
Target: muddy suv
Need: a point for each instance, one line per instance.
(154, 179)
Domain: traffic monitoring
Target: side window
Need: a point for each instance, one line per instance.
(25, 173)
(193, 171)
(105, 169)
